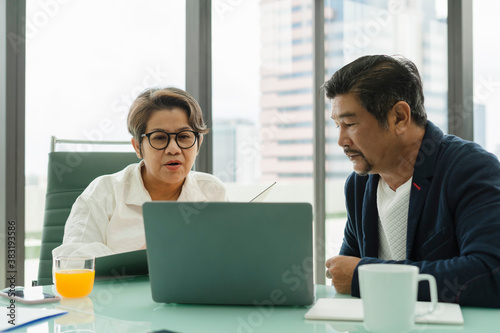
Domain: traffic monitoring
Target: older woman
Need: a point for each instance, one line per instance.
(167, 128)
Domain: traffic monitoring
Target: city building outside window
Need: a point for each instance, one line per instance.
(486, 91)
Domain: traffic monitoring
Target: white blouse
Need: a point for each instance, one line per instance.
(107, 217)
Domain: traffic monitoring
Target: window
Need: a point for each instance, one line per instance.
(262, 99)
(86, 62)
(486, 97)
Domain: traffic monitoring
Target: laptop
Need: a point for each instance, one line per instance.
(230, 253)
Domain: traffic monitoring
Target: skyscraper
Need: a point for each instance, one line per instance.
(234, 160)
(352, 28)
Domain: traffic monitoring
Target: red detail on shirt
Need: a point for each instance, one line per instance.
(418, 187)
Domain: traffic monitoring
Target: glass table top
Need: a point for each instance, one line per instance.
(126, 305)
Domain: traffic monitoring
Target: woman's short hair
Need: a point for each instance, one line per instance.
(156, 99)
(380, 81)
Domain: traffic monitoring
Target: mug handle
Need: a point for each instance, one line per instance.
(433, 290)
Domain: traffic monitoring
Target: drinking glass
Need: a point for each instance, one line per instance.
(74, 275)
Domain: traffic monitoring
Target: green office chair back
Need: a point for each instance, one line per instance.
(69, 173)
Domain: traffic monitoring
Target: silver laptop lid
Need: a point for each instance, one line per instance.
(230, 253)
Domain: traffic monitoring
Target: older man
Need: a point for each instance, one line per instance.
(416, 196)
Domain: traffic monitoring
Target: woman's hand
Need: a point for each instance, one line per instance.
(143, 247)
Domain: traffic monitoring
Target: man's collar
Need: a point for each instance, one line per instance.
(429, 147)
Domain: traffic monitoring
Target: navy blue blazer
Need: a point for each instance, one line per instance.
(453, 220)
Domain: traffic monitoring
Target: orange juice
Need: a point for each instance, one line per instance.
(74, 282)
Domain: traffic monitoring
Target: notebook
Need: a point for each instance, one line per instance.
(230, 253)
(121, 265)
(351, 309)
(25, 316)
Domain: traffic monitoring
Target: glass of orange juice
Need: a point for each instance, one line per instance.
(74, 275)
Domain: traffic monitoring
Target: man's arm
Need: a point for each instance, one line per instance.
(350, 244)
(460, 280)
(464, 211)
(467, 282)
(469, 206)
(341, 269)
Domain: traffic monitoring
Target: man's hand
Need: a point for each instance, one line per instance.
(341, 269)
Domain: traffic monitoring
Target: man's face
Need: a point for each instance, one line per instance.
(368, 145)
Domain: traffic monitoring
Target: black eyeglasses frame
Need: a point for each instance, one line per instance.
(148, 135)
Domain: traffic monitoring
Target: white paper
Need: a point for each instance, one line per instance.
(25, 316)
(351, 309)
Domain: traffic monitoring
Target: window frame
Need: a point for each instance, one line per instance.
(12, 124)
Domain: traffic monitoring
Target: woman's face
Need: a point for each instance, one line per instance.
(169, 166)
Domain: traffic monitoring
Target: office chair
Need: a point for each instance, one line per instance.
(69, 173)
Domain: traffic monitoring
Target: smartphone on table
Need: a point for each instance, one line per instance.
(29, 295)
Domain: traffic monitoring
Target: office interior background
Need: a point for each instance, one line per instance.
(256, 67)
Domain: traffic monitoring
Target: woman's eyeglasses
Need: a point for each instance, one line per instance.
(160, 140)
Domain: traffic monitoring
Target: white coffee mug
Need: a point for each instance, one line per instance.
(389, 294)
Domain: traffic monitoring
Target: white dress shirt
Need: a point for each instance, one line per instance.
(107, 217)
